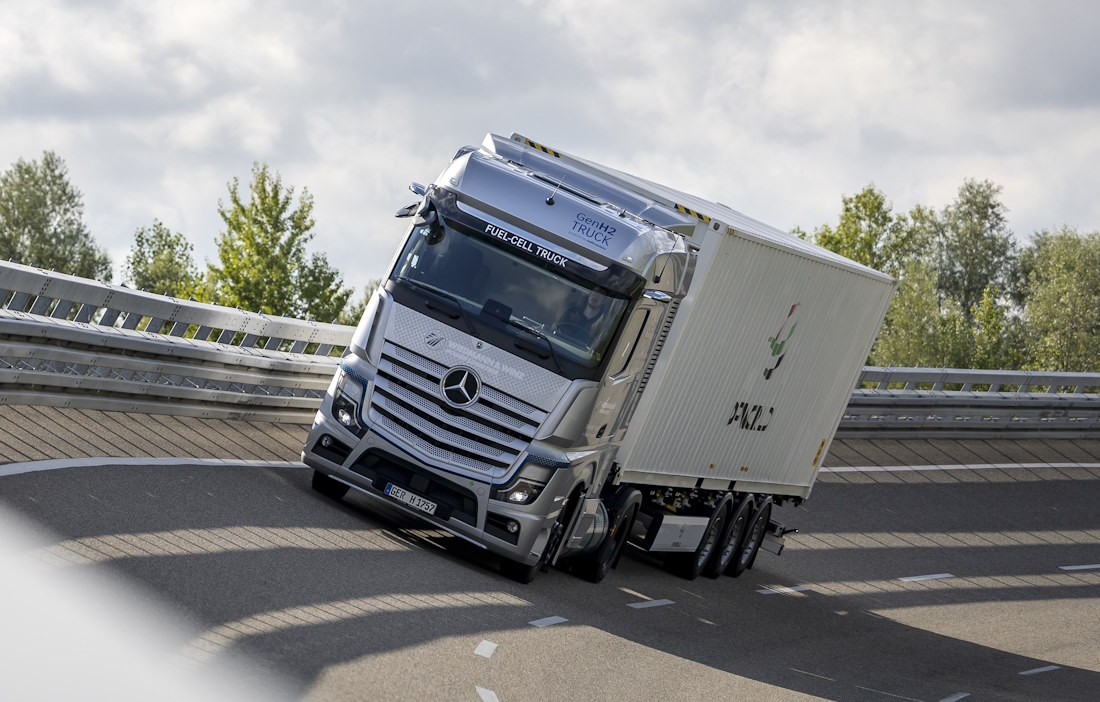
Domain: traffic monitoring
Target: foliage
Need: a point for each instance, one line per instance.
(42, 220)
(975, 248)
(162, 261)
(264, 266)
(1063, 307)
(869, 233)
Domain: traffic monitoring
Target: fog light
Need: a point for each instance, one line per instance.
(326, 441)
(512, 526)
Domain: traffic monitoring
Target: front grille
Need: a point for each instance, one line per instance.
(485, 437)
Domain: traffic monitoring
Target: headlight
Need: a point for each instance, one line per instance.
(521, 492)
(348, 393)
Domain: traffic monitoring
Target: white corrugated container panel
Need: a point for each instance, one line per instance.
(712, 368)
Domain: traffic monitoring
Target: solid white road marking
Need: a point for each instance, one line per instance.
(956, 697)
(918, 578)
(485, 649)
(1093, 566)
(971, 466)
(59, 463)
(1044, 669)
(548, 621)
(649, 603)
(783, 590)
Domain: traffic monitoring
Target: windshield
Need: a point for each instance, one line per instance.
(567, 321)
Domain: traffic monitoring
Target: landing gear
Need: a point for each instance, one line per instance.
(736, 527)
(329, 487)
(754, 536)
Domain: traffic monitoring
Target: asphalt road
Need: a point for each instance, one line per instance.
(960, 584)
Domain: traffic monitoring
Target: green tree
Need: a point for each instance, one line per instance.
(263, 265)
(990, 332)
(870, 233)
(162, 261)
(42, 220)
(1063, 304)
(910, 332)
(975, 247)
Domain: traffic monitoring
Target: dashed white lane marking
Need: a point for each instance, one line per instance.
(98, 462)
(888, 694)
(783, 590)
(650, 603)
(918, 578)
(968, 466)
(1044, 669)
(956, 697)
(806, 672)
(485, 649)
(548, 621)
(486, 695)
(1092, 566)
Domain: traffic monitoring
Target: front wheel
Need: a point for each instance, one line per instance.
(595, 566)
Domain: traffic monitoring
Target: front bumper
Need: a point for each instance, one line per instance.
(464, 505)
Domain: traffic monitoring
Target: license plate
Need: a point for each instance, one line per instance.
(416, 501)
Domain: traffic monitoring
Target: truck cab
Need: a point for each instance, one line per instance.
(487, 384)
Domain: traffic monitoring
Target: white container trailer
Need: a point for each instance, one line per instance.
(564, 356)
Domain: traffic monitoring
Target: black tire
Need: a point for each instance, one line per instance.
(520, 572)
(754, 536)
(690, 565)
(328, 487)
(595, 566)
(728, 543)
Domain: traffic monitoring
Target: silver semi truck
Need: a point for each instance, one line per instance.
(565, 357)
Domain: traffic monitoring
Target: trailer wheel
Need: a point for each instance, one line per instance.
(736, 527)
(328, 487)
(690, 565)
(594, 567)
(746, 554)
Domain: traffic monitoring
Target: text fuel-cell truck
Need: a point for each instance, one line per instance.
(565, 357)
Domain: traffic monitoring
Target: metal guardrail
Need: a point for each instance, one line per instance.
(953, 403)
(71, 342)
(67, 341)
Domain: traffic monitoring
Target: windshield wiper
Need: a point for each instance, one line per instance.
(436, 292)
(538, 335)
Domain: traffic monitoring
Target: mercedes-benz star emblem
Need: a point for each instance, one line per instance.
(460, 387)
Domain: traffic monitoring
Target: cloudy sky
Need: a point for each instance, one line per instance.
(774, 108)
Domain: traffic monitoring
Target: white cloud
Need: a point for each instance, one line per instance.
(776, 109)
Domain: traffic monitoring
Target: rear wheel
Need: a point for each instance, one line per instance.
(329, 487)
(750, 546)
(690, 565)
(730, 540)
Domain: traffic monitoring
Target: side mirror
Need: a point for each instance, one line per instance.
(407, 210)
